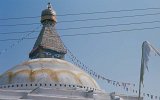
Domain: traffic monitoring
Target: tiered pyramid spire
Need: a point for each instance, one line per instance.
(48, 43)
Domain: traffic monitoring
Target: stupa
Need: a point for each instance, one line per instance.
(47, 76)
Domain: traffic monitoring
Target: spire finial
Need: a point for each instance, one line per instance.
(48, 14)
(49, 5)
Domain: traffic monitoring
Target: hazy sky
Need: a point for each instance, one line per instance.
(116, 55)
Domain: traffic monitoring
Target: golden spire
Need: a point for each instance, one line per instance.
(48, 15)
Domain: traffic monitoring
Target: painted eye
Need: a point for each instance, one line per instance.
(57, 55)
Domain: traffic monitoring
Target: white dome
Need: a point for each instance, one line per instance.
(47, 70)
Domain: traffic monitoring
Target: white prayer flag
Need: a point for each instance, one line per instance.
(147, 48)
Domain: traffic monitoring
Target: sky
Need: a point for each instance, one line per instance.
(115, 55)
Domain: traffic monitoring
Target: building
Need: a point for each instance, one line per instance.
(47, 76)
